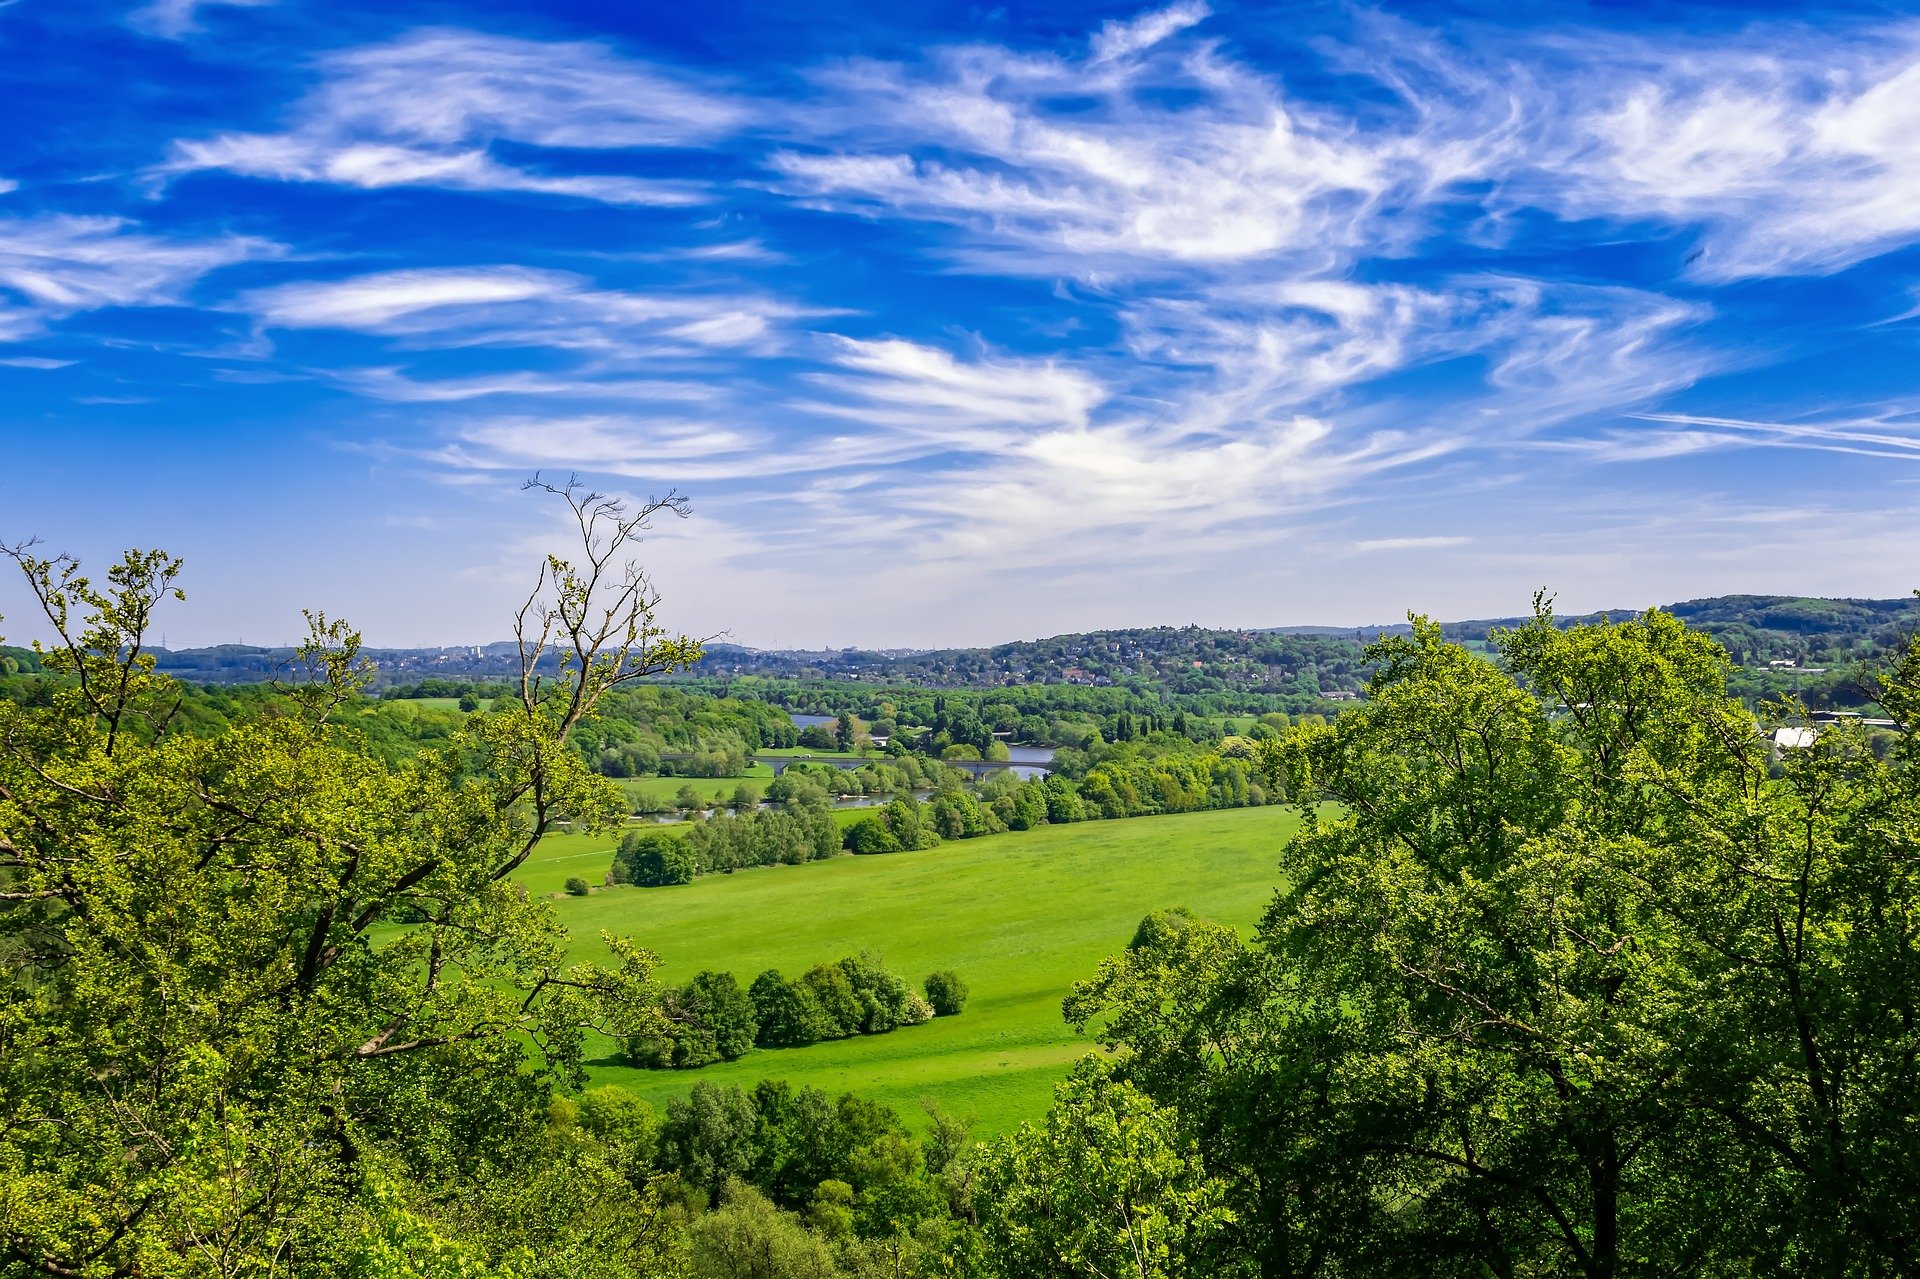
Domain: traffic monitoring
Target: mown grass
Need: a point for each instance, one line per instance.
(662, 790)
(1020, 916)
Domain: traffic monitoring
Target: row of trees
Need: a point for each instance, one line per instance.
(799, 825)
(712, 1019)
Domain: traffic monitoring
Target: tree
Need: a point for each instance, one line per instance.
(747, 1237)
(577, 887)
(1107, 1185)
(871, 835)
(652, 859)
(708, 1136)
(1572, 974)
(688, 800)
(788, 1013)
(838, 1003)
(714, 1002)
(251, 977)
(946, 993)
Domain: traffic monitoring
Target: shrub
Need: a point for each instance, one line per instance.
(870, 835)
(653, 859)
(707, 1020)
(946, 993)
(1161, 927)
(577, 887)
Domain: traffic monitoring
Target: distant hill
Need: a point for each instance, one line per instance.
(1758, 630)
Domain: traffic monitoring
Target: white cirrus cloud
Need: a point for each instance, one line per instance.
(506, 305)
(56, 265)
(911, 389)
(173, 19)
(425, 109)
(1173, 156)
(397, 386)
(1798, 151)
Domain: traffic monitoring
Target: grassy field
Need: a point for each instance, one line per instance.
(1021, 917)
(663, 789)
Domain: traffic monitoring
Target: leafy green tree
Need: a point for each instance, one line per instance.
(1572, 975)
(841, 1007)
(715, 1003)
(788, 1013)
(577, 887)
(1160, 927)
(248, 974)
(626, 1124)
(946, 993)
(885, 1001)
(747, 1237)
(653, 859)
(1106, 1185)
(871, 835)
(708, 1136)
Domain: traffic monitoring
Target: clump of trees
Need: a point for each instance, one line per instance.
(712, 1019)
(801, 828)
(902, 825)
(1569, 976)
(707, 1020)
(805, 1186)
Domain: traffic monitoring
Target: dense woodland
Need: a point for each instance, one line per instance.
(1570, 972)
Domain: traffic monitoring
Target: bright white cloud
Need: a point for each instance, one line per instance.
(972, 405)
(1799, 153)
(1173, 156)
(1120, 39)
(521, 306)
(57, 265)
(423, 110)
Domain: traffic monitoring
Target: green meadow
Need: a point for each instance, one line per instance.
(1020, 916)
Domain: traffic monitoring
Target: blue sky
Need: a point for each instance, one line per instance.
(962, 324)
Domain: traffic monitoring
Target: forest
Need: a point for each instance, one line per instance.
(1569, 970)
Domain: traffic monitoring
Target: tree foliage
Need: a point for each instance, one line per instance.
(248, 976)
(1573, 977)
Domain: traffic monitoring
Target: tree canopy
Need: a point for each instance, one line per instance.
(264, 994)
(1571, 974)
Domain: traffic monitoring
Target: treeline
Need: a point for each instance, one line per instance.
(1041, 714)
(712, 1019)
(1134, 779)
(798, 828)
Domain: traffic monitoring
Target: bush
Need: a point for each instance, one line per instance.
(577, 887)
(653, 859)
(1161, 927)
(946, 993)
(870, 835)
(709, 1019)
